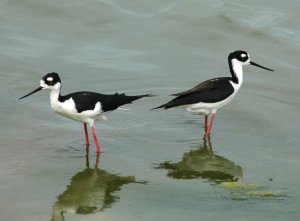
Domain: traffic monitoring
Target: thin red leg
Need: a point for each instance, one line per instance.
(205, 123)
(210, 124)
(87, 142)
(96, 140)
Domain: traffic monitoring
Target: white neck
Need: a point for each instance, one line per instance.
(237, 67)
(54, 93)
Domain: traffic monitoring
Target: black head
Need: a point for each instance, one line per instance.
(50, 81)
(242, 58)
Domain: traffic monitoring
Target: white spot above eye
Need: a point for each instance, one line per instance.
(50, 79)
(243, 55)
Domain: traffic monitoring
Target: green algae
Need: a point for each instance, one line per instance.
(238, 185)
(244, 191)
(255, 195)
(265, 194)
(238, 196)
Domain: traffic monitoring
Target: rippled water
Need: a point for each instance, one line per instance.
(155, 164)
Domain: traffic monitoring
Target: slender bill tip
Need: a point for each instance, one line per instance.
(257, 65)
(34, 91)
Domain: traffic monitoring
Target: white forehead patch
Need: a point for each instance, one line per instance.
(50, 79)
(243, 55)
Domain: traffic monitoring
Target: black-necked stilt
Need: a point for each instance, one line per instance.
(83, 106)
(209, 96)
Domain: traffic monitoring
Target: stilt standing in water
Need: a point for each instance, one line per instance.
(209, 96)
(83, 106)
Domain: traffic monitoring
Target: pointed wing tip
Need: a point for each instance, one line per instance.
(149, 95)
(162, 106)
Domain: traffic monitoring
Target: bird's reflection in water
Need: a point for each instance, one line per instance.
(203, 163)
(89, 191)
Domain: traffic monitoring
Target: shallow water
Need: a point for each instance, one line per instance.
(155, 164)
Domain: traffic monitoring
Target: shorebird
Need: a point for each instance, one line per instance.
(209, 96)
(83, 106)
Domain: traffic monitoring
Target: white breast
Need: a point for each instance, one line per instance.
(211, 108)
(68, 109)
(208, 108)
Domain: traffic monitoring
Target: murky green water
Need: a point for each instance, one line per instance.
(155, 164)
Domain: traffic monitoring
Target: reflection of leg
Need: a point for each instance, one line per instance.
(87, 142)
(207, 143)
(96, 140)
(210, 124)
(97, 160)
(209, 147)
(58, 212)
(205, 123)
(87, 161)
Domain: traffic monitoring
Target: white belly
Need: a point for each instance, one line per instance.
(208, 108)
(67, 109)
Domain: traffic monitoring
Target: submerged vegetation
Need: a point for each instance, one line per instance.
(244, 191)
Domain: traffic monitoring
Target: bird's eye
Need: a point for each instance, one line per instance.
(243, 55)
(49, 79)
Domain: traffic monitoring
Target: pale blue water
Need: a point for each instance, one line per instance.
(158, 47)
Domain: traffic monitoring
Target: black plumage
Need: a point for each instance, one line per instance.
(82, 106)
(210, 91)
(85, 100)
(208, 97)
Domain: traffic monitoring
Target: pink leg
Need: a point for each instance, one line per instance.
(87, 142)
(96, 140)
(205, 123)
(210, 124)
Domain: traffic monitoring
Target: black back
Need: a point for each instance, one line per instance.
(85, 100)
(210, 91)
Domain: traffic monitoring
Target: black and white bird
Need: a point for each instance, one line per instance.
(83, 106)
(209, 96)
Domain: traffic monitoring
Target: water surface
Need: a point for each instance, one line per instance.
(155, 163)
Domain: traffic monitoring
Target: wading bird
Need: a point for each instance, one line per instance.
(83, 106)
(209, 96)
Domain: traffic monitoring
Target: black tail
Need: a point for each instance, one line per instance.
(129, 99)
(173, 103)
(161, 106)
(168, 105)
(112, 102)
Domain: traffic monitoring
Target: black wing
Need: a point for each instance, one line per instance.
(85, 100)
(209, 91)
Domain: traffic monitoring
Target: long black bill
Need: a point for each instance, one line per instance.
(36, 90)
(257, 65)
